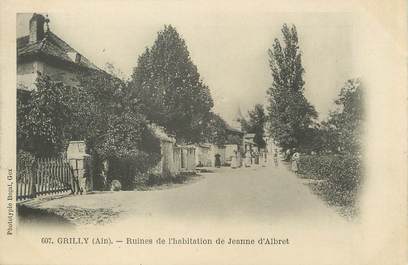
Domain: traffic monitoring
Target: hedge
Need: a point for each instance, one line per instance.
(342, 172)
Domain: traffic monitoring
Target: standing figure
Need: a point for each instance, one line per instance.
(217, 160)
(275, 157)
(234, 160)
(256, 157)
(262, 158)
(295, 161)
(287, 155)
(104, 174)
(247, 159)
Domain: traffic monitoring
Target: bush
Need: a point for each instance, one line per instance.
(115, 185)
(342, 172)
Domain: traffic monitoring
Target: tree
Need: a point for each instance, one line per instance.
(344, 125)
(255, 124)
(169, 88)
(291, 116)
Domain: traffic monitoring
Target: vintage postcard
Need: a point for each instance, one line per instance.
(203, 132)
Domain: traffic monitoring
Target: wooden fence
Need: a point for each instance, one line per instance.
(45, 176)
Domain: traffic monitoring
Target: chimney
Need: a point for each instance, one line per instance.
(36, 28)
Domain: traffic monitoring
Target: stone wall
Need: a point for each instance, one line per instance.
(27, 74)
(67, 76)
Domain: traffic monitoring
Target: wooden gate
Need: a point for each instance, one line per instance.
(45, 176)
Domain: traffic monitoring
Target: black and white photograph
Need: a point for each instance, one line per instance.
(162, 130)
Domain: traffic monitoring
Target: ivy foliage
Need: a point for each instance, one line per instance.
(43, 116)
(99, 110)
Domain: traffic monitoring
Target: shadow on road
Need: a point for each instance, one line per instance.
(35, 216)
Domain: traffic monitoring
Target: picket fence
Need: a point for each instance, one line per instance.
(45, 176)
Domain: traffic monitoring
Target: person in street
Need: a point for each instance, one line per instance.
(247, 159)
(217, 160)
(262, 158)
(256, 157)
(104, 174)
(295, 161)
(287, 154)
(234, 160)
(275, 157)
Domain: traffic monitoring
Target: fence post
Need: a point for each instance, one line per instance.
(34, 172)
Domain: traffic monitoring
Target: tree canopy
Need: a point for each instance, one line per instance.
(290, 114)
(169, 88)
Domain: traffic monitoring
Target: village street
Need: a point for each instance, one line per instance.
(266, 195)
(233, 204)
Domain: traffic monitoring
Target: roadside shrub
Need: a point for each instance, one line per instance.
(342, 172)
(115, 185)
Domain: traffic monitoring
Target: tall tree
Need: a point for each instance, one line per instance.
(255, 124)
(291, 115)
(169, 87)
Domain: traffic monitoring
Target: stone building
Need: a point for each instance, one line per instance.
(44, 52)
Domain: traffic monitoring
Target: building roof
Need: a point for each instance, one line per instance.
(234, 130)
(51, 46)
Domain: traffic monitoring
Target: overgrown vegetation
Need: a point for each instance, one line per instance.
(43, 116)
(98, 111)
(339, 166)
(112, 115)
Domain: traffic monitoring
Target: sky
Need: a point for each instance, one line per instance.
(229, 47)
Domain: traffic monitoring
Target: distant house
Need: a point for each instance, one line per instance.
(44, 52)
(234, 136)
(232, 147)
